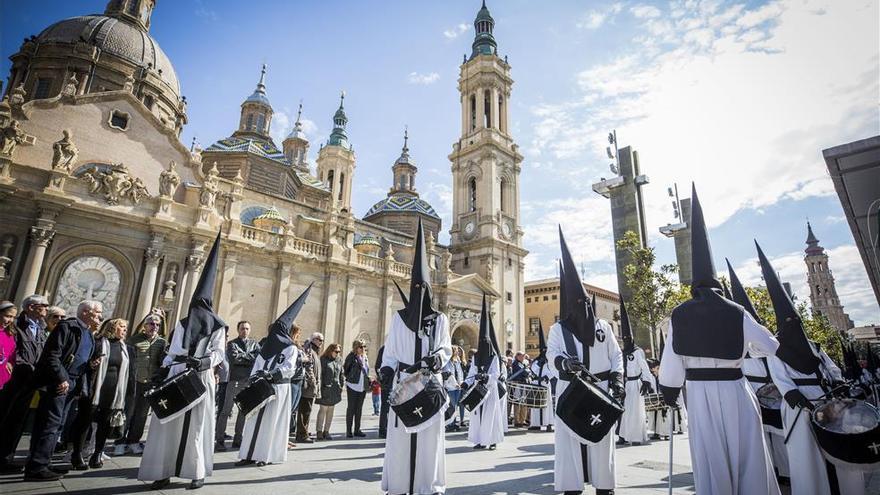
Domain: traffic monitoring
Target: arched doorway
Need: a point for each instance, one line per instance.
(92, 278)
(465, 334)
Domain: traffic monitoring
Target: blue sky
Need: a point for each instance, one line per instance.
(739, 96)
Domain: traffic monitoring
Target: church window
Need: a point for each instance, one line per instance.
(341, 185)
(119, 120)
(473, 112)
(467, 261)
(148, 101)
(44, 84)
(553, 297)
(502, 199)
(330, 181)
(509, 297)
(546, 298)
(501, 123)
(261, 123)
(534, 325)
(487, 109)
(472, 194)
(249, 125)
(510, 262)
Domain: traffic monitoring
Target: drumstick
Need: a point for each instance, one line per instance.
(671, 436)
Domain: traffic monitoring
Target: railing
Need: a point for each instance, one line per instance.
(371, 261)
(308, 247)
(276, 240)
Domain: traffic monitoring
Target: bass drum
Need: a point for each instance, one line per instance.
(770, 401)
(848, 433)
(419, 400)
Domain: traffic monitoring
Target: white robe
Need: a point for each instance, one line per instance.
(754, 367)
(568, 465)
(634, 422)
(269, 444)
(484, 427)
(543, 417)
(658, 420)
(430, 475)
(503, 416)
(728, 452)
(164, 441)
(808, 470)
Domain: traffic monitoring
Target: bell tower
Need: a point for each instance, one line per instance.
(823, 293)
(486, 237)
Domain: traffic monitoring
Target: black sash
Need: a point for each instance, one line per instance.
(713, 374)
(181, 450)
(571, 349)
(413, 437)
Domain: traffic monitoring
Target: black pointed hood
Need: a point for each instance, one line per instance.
(794, 347)
(402, 295)
(701, 252)
(420, 302)
(542, 345)
(576, 314)
(708, 325)
(726, 291)
(486, 351)
(279, 331)
(201, 321)
(626, 333)
(561, 292)
(739, 294)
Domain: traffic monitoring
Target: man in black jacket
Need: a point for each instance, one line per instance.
(17, 394)
(241, 354)
(64, 369)
(386, 391)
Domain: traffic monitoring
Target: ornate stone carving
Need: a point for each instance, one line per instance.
(89, 278)
(169, 284)
(457, 314)
(17, 96)
(41, 236)
(70, 87)
(210, 188)
(5, 260)
(129, 83)
(64, 153)
(169, 180)
(11, 136)
(115, 184)
(389, 253)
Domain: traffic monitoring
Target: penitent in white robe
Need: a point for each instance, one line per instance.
(430, 473)
(484, 427)
(166, 445)
(728, 452)
(264, 438)
(633, 423)
(757, 374)
(658, 421)
(809, 473)
(544, 416)
(568, 461)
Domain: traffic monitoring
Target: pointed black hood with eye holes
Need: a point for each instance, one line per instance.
(794, 347)
(201, 321)
(739, 294)
(708, 325)
(575, 313)
(279, 331)
(420, 302)
(486, 350)
(626, 333)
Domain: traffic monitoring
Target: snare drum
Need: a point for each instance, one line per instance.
(418, 400)
(176, 395)
(654, 402)
(528, 395)
(474, 395)
(254, 397)
(587, 410)
(848, 433)
(770, 401)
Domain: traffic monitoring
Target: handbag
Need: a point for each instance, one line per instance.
(117, 424)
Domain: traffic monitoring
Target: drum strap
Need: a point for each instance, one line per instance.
(585, 462)
(833, 483)
(184, 434)
(758, 379)
(256, 433)
(571, 348)
(807, 382)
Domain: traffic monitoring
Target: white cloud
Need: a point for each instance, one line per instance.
(423, 79)
(851, 280)
(645, 11)
(456, 31)
(280, 126)
(596, 18)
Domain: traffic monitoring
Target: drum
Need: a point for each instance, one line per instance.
(418, 400)
(528, 395)
(587, 410)
(770, 401)
(474, 396)
(254, 397)
(654, 402)
(848, 433)
(176, 395)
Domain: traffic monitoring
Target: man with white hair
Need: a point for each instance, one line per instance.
(64, 369)
(311, 388)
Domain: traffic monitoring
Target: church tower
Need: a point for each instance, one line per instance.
(336, 162)
(485, 236)
(296, 146)
(256, 113)
(823, 294)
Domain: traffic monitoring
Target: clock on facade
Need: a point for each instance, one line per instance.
(506, 229)
(469, 228)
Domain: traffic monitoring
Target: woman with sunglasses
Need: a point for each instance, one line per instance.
(331, 390)
(357, 369)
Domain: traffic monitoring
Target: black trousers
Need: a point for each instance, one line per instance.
(137, 417)
(83, 422)
(353, 410)
(81, 425)
(50, 416)
(383, 412)
(15, 400)
(302, 417)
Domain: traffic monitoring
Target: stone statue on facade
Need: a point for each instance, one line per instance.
(17, 95)
(129, 83)
(10, 136)
(70, 87)
(210, 188)
(116, 183)
(169, 284)
(169, 180)
(64, 153)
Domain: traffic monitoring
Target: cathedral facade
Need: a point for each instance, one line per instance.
(101, 200)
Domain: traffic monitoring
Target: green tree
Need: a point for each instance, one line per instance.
(654, 292)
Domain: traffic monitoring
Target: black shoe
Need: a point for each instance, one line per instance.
(492, 447)
(196, 484)
(10, 468)
(784, 480)
(96, 462)
(236, 445)
(479, 447)
(549, 428)
(61, 448)
(227, 437)
(604, 492)
(360, 434)
(349, 435)
(534, 428)
(244, 462)
(261, 464)
(42, 475)
(573, 492)
(219, 447)
(621, 442)
(58, 469)
(383, 435)
(655, 437)
(78, 464)
(160, 484)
